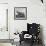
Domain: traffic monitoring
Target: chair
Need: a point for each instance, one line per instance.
(33, 30)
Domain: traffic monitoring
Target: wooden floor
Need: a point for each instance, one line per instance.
(6, 40)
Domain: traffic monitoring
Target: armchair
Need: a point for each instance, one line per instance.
(33, 30)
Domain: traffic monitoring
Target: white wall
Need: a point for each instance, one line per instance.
(35, 13)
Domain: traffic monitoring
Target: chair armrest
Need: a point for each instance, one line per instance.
(24, 32)
(22, 35)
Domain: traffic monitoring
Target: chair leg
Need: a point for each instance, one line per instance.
(32, 42)
(20, 42)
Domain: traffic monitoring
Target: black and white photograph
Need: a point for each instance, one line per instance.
(20, 13)
(22, 22)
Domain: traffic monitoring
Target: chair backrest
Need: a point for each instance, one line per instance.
(33, 28)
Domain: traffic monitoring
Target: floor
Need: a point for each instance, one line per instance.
(5, 44)
(26, 44)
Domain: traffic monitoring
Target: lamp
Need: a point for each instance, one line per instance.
(42, 1)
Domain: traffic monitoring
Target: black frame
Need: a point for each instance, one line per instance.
(19, 18)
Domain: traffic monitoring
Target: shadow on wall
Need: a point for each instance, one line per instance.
(41, 34)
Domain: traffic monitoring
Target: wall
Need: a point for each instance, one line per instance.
(35, 13)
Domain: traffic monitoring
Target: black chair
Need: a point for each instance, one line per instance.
(32, 29)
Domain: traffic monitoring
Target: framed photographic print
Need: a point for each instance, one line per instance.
(20, 13)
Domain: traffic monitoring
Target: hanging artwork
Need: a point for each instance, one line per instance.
(20, 13)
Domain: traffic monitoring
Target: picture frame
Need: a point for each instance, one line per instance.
(20, 13)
